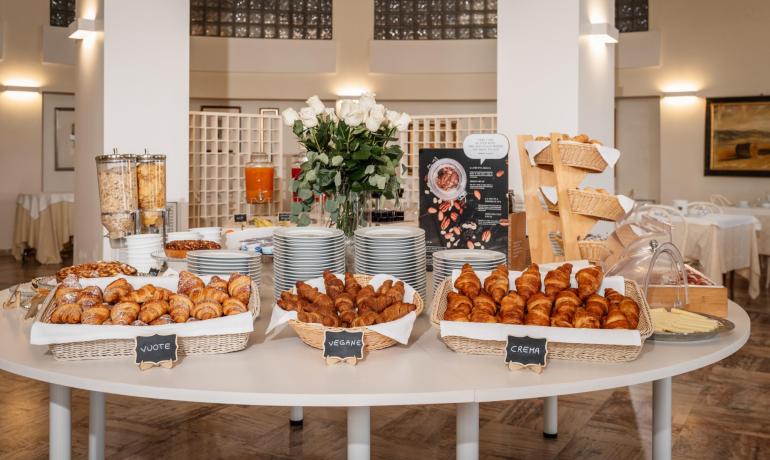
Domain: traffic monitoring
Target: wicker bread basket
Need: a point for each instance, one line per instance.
(591, 203)
(313, 333)
(124, 348)
(579, 155)
(556, 350)
(593, 251)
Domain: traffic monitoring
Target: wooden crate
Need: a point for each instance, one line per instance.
(701, 299)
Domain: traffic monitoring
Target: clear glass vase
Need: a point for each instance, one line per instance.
(353, 212)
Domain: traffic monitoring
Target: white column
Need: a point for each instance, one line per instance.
(661, 419)
(467, 431)
(132, 94)
(549, 78)
(59, 422)
(359, 444)
(96, 426)
(551, 417)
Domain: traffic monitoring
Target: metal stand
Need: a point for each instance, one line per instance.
(359, 447)
(296, 416)
(661, 419)
(468, 431)
(96, 426)
(59, 422)
(551, 417)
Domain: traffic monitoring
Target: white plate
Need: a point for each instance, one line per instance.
(308, 232)
(390, 231)
(468, 255)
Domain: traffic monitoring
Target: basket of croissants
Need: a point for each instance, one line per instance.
(351, 304)
(551, 301)
(208, 314)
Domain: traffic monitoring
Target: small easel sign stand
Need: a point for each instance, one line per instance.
(156, 350)
(526, 353)
(551, 169)
(343, 346)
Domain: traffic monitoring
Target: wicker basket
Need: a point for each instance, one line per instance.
(583, 156)
(313, 333)
(124, 348)
(556, 350)
(590, 203)
(593, 251)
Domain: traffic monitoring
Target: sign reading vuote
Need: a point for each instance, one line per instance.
(521, 352)
(156, 350)
(343, 346)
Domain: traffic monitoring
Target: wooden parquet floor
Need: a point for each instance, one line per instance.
(720, 412)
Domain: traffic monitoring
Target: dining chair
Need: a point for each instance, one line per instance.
(720, 200)
(702, 208)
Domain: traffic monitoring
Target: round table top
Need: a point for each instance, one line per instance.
(280, 370)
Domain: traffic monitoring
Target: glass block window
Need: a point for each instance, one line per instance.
(61, 12)
(435, 19)
(287, 19)
(632, 15)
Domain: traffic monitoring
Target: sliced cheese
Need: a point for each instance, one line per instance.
(681, 321)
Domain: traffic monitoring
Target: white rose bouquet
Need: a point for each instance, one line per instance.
(349, 155)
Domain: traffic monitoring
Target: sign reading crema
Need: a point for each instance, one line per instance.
(156, 350)
(526, 352)
(343, 346)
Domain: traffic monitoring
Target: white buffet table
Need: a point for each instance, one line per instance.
(282, 371)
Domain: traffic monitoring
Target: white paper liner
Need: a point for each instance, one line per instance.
(398, 330)
(499, 332)
(550, 194)
(609, 154)
(46, 334)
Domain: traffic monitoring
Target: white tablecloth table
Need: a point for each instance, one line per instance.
(44, 222)
(724, 243)
(763, 216)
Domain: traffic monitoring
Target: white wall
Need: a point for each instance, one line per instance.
(637, 125)
(719, 49)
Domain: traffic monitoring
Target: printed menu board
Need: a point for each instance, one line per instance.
(463, 195)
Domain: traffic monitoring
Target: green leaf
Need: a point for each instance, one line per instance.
(310, 176)
(331, 205)
(361, 155)
(304, 194)
(369, 169)
(298, 128)
(323, 158)
(337, 160)
(296, 208)
(294, 185)
(304, 220)
(338, 179)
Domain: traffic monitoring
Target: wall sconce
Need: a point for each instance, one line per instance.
(679, 94)
(81, 28)
(602, 32)
(351, 92)
(20, 89)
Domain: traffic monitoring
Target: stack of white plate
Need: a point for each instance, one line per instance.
(446, 261)
(303, 253)
(392, 250)
(176, 236)
(223, 262)
(139, 249)
(209, 233)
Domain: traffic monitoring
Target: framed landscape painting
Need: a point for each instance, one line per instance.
(738, 136)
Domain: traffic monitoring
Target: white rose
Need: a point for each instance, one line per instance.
(346, 106)
(308, 116)
(403, 122)
(366, 102)
(354, 118)
(374, 121)
(331, 114)
(290, 116)
(392, 117)
(315, 103)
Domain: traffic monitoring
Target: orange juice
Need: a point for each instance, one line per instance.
(259, 183)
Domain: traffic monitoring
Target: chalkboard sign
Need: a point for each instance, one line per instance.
(240, 217)
(343, 346)
(156, 350)
(526, 352)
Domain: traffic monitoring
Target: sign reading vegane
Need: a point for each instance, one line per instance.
(156, 350)
(526, 352)
(343, 346)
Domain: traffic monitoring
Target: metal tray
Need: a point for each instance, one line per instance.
(725, 325)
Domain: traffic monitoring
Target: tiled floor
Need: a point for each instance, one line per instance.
(720, 412)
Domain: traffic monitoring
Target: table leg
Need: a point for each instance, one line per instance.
(359, 447)
(296, 416)
(59, 422)
(96, 425)
(551, 417)
(468, 431)
(661, 419)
